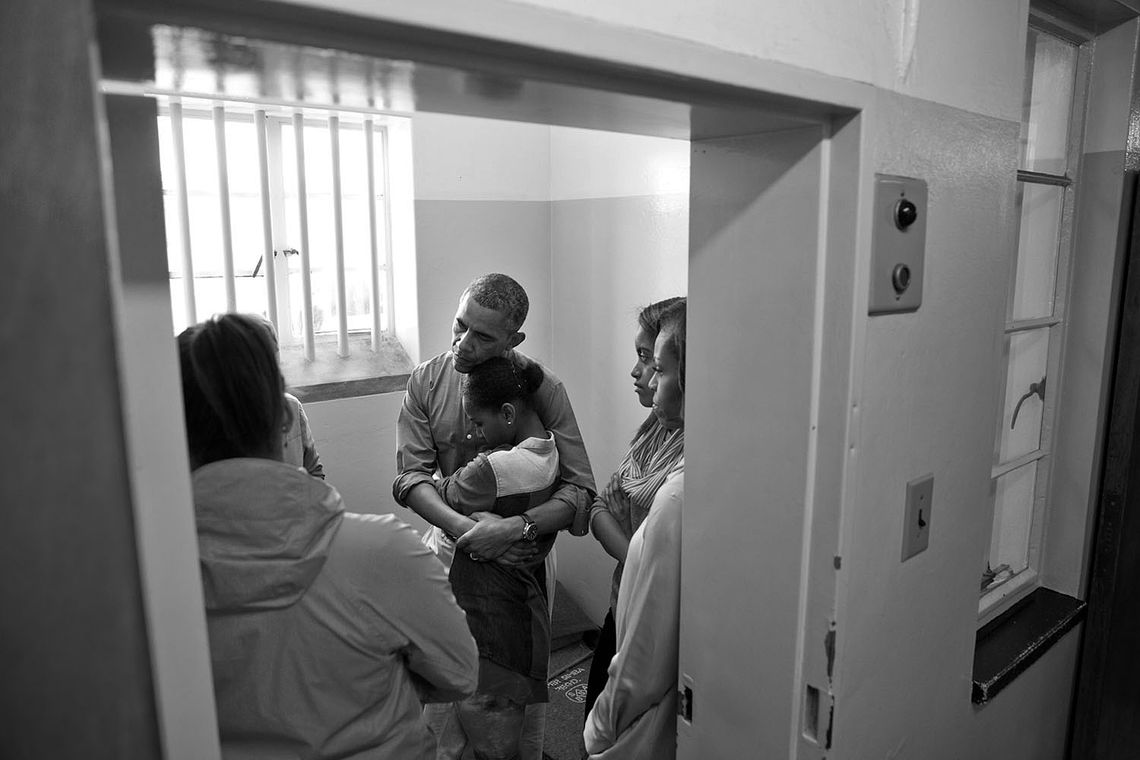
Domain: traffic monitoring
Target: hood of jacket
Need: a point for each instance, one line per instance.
(264, 531)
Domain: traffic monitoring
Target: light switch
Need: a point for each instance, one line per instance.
(898, 240)
(916, 527)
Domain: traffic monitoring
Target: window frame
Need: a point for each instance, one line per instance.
(279, 114)
(1001, 598)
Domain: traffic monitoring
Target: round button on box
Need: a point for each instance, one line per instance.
(906, 214)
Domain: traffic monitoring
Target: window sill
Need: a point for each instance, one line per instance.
(1013, 641)
(363, 372)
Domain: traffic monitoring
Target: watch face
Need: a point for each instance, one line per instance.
(530, 530)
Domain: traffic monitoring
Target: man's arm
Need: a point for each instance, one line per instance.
(576, 491)
(312, 460)
(415, 445)
(414, 486)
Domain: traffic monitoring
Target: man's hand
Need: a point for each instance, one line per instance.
(491, 537)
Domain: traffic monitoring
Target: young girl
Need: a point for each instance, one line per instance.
(635, 716)
(506, 604)
(623, 505)
(326, 628)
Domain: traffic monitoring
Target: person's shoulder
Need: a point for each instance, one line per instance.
(428, 372)
(435, 364)
(670, 497)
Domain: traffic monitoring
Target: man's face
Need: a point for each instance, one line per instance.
(478, 334)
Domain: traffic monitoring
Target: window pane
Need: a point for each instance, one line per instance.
(1037, 250)
(1013, 510)
(241, 156)
(1028, 356)
(201, 154)
(1051, 66)
(248, 232)
(206, 235)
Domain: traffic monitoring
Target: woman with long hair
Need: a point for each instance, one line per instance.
(327, 629)
(635, 716)
(654, 453)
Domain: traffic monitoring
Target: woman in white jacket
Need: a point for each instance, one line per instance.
(327, 629)
(635, 716)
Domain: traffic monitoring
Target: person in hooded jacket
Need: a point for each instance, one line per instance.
(328, 630)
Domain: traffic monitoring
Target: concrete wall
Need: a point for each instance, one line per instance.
(927, 398)
(619, 240)
(960, 53)
(78, 680)
(482, 194)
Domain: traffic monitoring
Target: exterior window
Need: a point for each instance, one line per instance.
(1035, 320)
(279, 211)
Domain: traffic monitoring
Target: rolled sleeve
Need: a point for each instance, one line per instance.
(416, 451)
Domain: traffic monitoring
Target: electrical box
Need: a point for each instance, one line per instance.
(898, 239)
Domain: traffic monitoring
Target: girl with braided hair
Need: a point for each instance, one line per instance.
(506, 604)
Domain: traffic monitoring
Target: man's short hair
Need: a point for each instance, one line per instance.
(502, 294)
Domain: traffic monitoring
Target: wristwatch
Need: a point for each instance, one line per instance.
(530, 528)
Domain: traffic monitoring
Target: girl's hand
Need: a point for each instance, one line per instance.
(615, 483)
(617, 502)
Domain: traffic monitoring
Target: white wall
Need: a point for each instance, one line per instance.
(927, 400)
(482, 195)
(619, 241)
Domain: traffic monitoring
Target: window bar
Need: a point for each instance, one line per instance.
(259, 123)
(390, 302)
(224, 199)
(374, 260)
(338, 228)
(303, 217)
(191, 310)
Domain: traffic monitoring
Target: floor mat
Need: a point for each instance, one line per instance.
(566, 712)
(572, 638)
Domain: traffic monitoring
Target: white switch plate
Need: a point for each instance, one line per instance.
(916, 528)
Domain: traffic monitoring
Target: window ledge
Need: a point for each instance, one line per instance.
(363, 372)
(1014, 640)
